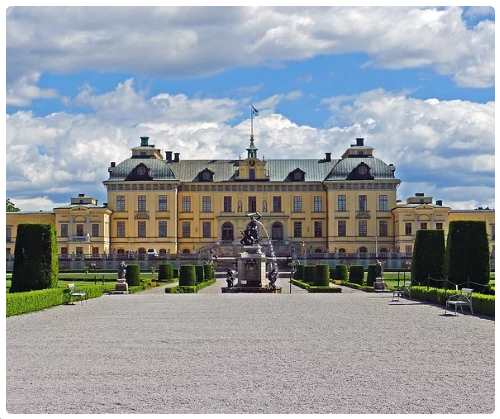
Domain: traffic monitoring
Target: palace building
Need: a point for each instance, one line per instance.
(159, 201)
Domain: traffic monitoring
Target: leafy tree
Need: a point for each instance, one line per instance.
(428, 258)
(11, 207)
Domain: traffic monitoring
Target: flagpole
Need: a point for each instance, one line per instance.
(251, 122)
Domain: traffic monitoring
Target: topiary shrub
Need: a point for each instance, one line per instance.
(427, 267)
(356, 274)
(187, 276)
(200, 274)
(133, 275)
(165, 272)
(373, 273)
(467, 254)
(322, 276)
(299, 272)
(332, 272)
(309, 274)
(208, 271)
(340, 273)
(36, 264)
(176, 273)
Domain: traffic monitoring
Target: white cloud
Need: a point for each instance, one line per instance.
(445, 147)
(196, 40)
(24, 89)
(38, 203)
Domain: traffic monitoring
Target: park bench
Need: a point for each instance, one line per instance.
(464, 298)
(75, 293)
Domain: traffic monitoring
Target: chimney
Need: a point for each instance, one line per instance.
(419, 194)
(105, 204)
(439, 202)
(176, 157)
(144, 141)
(81, 195)
(360, 142)
(168, 156)
(113, 164)
(328, 156)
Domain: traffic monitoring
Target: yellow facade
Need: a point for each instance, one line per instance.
(173, 206)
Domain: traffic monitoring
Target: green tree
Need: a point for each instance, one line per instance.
(428, 258)
(11, 207)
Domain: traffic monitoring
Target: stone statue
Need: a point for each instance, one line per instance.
(230, 278)
(122, 270)
(272, 276)
(251, 233)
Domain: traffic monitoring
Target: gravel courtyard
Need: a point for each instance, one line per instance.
(212, 353)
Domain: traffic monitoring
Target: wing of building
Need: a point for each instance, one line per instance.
(164, 203)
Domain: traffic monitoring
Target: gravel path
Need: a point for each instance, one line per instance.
(247, 353)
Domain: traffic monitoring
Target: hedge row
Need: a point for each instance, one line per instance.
(481, 303)
(189, 289)
(314, 288)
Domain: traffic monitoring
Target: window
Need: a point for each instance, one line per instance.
(383, 203)
(79, 230)
(162, 203)
(186, 203)
(228, 204)
(162, 228)
(318, 229)
(141, 203)
(297, 203)
(362, 251)
(423, 226)
(186, 229)
(439, 226)
(382, 228)
(120, 229)
(408, 249)
(141, 229)
(79, 251)
(227, 232)
(297, 229)
(277, 231)
(64, 230)
(95, 230)
(120, 203)
(407, 229)
(492, 231)
(64, 251)
(251, 174)
(163, 252)
(317, 204)
(341, 228)
(206, 204)
(252, 204)
(363, 228)
(95, 251)
(341, 250)
(207, 229)
(363, 203)
(8, 234)
(277, 204)
(341, 203)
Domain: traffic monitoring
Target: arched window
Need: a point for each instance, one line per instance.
(318, 250)
(120, 251)
(186, 251)
(383, 250)
(277, 231)
(142, 251)
(362, 251)
(163, 252)
(227, 232)
(342, 250)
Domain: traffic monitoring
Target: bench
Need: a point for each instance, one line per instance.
(460, 300)
(75, 293)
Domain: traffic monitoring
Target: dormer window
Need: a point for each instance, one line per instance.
(206, 175)
(296, 175)
(140, 172)
(360, 172)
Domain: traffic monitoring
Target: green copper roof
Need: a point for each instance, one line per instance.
(378, 169)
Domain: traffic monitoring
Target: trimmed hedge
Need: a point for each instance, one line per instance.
(481, 303)
(189, 289)
(165, 272)
(176, 273)
(187, 276)
(315, 289)
(36, 263)
(373, 270)
(309, 274)
(360, 287)
(133, 275)
(299, 272)
(427, 266)
(341, 273)
(467, 254)
(208, 271)
(322, 276)
(356, 274)
(200, 274)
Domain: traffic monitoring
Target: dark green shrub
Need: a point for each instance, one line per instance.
(176, 273)
(332, 272)
(373, 272)
(322, 276)
(299, 272)
(165, 272)
(467, 254)
(133, 275)
(187, 276)
(356, 274)
(427, 267)
(208, 271)
(340, 273)
(315, 289)
(36, 263)
(309, 274)
(200, 274)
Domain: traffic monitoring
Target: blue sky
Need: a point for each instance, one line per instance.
(83, 84)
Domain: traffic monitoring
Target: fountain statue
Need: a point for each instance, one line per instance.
(252, 262)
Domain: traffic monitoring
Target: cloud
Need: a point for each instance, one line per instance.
(191, 41)
(38, 203)
(445, 146)
(24, 90)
